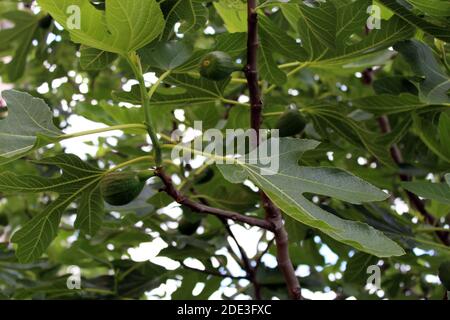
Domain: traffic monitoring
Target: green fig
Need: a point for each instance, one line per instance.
(119, 189)
(218, 66)
(290, 123)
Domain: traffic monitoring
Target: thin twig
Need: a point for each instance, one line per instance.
(201, 208)
(244, 262)
(251, 272)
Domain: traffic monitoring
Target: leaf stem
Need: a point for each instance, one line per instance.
(172, 191)
(234, 102)
(273, 114)
(154, 87)
(131, 162)
(101, 130)
(135, 63)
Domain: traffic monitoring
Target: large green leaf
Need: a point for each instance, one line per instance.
(444, 131)
(434, 83)
(22, 34)
(190, 14)
(437, 8)
(327, 117)
(438, 31)
(77, 180)
(317, 27)
(166, 55)
(110, 114)
(28, 119)
(436, 191)
(328, 32)
(189, 91)
(124, 26)
(430, 129)
(94, 59)
(389, 104)
(274, 40)
(356, 271)
(233, 13)
(287, 187)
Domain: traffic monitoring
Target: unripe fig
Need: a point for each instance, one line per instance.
(119, 189)
(290, 123)
(444, 274)
(3, 113)
(45, 22)
(205, 176)
(218, 66)
(189, 222)
(99, 4)
(187, 227)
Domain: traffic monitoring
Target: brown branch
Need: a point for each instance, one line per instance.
(251, 69)
(201, 208)
(273, 214)
(414, 200)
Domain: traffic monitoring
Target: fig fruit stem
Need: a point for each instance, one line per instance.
(234, 102)
(135, 64)
(154, 87)
(131, 162)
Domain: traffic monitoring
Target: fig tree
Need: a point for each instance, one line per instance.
(290, 123)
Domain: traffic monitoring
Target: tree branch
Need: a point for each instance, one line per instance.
(273, 214)
(251, 69)
(414, 200)
(201, 208)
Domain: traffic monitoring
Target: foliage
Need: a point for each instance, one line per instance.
(375, 137)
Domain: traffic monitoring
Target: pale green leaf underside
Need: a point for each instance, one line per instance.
(123, 27)
(28, 118)
(389, 104)
(78, 180)
(287, 187)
